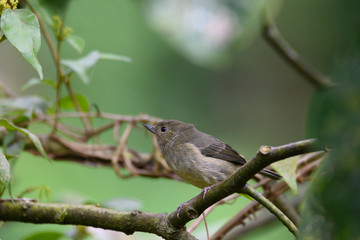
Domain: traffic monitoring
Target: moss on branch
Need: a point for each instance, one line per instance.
(90, 215)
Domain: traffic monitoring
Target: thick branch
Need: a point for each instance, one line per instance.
(90, 215)
(266, 155)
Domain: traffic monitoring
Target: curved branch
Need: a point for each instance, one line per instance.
(90, 215)
(266, 155)
(272, 208)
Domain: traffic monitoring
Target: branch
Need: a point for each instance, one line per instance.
(90, 215)
(287, 208)
(239, 218)
(62, 149)
(272, 208)
(120, 118)
(272, 35)
(304, 170)
(167, 226)
(266, 155)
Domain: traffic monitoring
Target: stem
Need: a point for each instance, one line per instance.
(239, 218)
(85, 120)
(272, 208)
(120, 152)
(55, 53)
(287, 208)
(206, 227)
(121, 118)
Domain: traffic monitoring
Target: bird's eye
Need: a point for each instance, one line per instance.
(163, 129)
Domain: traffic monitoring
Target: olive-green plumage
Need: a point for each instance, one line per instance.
(199, 158)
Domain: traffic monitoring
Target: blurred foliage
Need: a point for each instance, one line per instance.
(83, 66)
(45, 236)
(332, 207)
(55, 7)
(210, 33)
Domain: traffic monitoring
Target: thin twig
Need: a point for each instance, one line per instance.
(197, 221)
(206, 226)
(273, 36)
(84, 118)
(64, 129)
(236, 220)
(55, 52)
(119, 151)
(310, 157)
(285, 206)
(272, 208)
(99, 130)
(121, 118)
(116, 131)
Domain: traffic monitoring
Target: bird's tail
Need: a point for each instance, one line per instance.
(270, 174)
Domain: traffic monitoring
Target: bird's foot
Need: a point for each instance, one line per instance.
(206, 190)
(179, 209)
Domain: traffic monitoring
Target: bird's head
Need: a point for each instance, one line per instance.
(166, 131)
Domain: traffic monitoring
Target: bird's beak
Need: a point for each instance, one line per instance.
(150, 128)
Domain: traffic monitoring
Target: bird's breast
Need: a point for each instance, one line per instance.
(187, 161)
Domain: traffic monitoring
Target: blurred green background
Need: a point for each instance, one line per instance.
(255, 100)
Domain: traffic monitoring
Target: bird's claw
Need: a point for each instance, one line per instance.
(206, 190)
(179, 209)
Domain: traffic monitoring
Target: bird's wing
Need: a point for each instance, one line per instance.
(223, 151)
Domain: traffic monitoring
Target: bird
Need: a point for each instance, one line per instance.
(197, 157)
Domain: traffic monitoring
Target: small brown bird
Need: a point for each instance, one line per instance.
(199, 158)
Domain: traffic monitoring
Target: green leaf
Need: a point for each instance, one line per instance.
(11, 128)
(67, 103)
(12, 145)
(83, 65)
(115, 57)
(22, 106)
(287, 169)
(78, 43)
(5, 175)
(22, 29)
(37, 81)
(45, 236)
